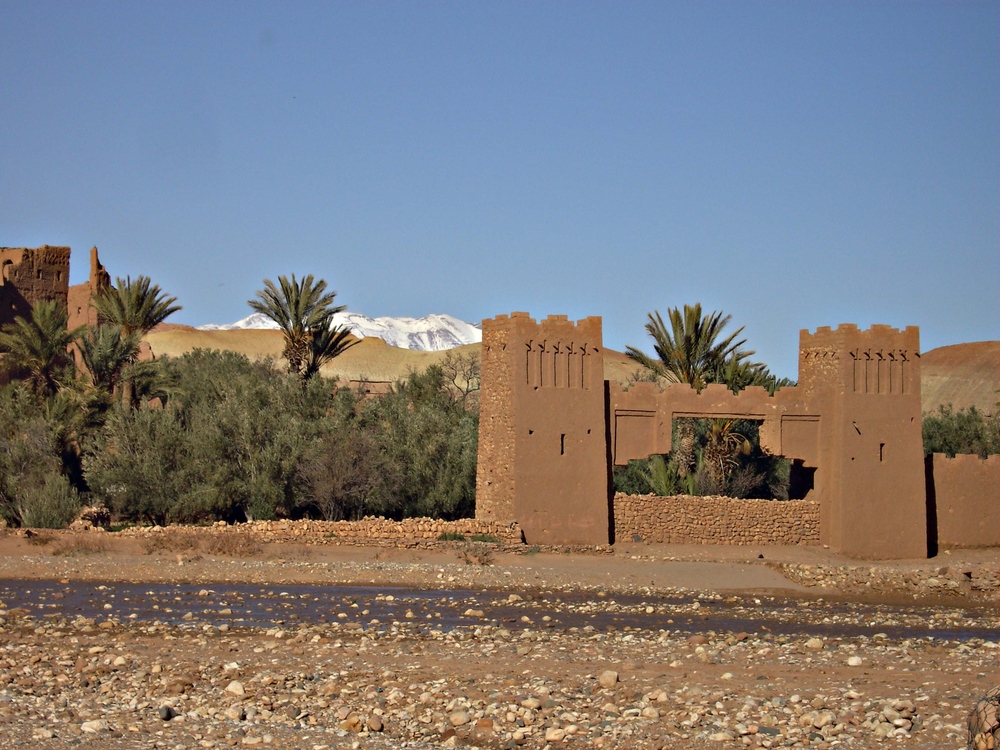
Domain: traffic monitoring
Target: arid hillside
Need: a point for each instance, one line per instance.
(962, 375)
(371, 359)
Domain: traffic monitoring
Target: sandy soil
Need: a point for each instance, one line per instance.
(325, 645)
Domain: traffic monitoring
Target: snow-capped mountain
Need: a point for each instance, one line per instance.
(429, 333)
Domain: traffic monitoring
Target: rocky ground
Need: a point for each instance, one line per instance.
(314, 646)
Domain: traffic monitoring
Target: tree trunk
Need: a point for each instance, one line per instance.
(685, 447)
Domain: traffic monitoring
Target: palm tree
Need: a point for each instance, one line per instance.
(692, 351)
(106, 352)
(39, 348)
(303, 310)
(134, 306)
(326, 344)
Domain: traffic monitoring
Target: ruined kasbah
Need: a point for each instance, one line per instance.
(552, 429)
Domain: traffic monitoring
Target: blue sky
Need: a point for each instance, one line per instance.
(794, 164)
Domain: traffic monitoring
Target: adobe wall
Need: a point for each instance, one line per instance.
(81, 313)
(871, 459)
(965, 494)
(28, 275)
(551, 429)
(31, 274)
(683, 519)
(542, 449)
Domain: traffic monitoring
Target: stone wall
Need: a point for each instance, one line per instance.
(684, 519)
(965, 493)
(367, 529)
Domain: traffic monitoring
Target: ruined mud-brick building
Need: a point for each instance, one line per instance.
(28, 275)
(551, 429)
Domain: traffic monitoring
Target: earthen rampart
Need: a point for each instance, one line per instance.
(964, 495)
(683, 519)
(549, 436)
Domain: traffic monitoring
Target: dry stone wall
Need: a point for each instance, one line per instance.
(366, 530)
(684, 519)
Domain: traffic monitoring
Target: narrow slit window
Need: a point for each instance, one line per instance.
(881, 452)
(562, 444)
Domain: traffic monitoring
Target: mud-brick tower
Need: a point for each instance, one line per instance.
(28, 275)
(870, 476)
(542, 444)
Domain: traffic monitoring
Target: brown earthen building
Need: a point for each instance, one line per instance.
(551, 429)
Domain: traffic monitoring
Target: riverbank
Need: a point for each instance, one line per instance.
(482, 646)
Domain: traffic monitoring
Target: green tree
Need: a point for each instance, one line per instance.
(134, 306)
(133, 309)
(38, 349)
(963, 431)
(34, 489)
(326, 344)
(106, 352)
(303, 310)
(691, 350)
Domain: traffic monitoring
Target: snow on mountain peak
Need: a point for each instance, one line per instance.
(429, 333)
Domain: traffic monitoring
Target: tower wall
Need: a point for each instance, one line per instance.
(866, 384)
(542, 437)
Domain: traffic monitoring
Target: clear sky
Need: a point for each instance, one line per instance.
(795, 164)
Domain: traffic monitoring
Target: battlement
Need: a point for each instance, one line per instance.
(847, 334)
(967, 460)
(881, 360)
(559, 322)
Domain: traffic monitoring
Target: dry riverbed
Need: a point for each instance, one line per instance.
(112, 641)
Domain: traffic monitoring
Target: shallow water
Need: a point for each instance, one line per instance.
(370, 607)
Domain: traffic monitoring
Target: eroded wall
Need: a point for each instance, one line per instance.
(965, 497)
(81, 312)
(28, 275)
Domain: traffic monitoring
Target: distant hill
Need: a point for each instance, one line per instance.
(962, 375)
(430, 333)
(371, 359)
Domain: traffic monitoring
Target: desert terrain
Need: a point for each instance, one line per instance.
(262, 636)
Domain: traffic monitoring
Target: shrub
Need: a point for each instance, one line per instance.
(487, 538)
(53, 505)
(964, 431)
(92, 544)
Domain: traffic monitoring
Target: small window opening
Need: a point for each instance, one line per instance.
(881, 452)
(562, 444)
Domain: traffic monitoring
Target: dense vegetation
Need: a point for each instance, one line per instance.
(238, 440)
(963, 431)
(211, 435)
